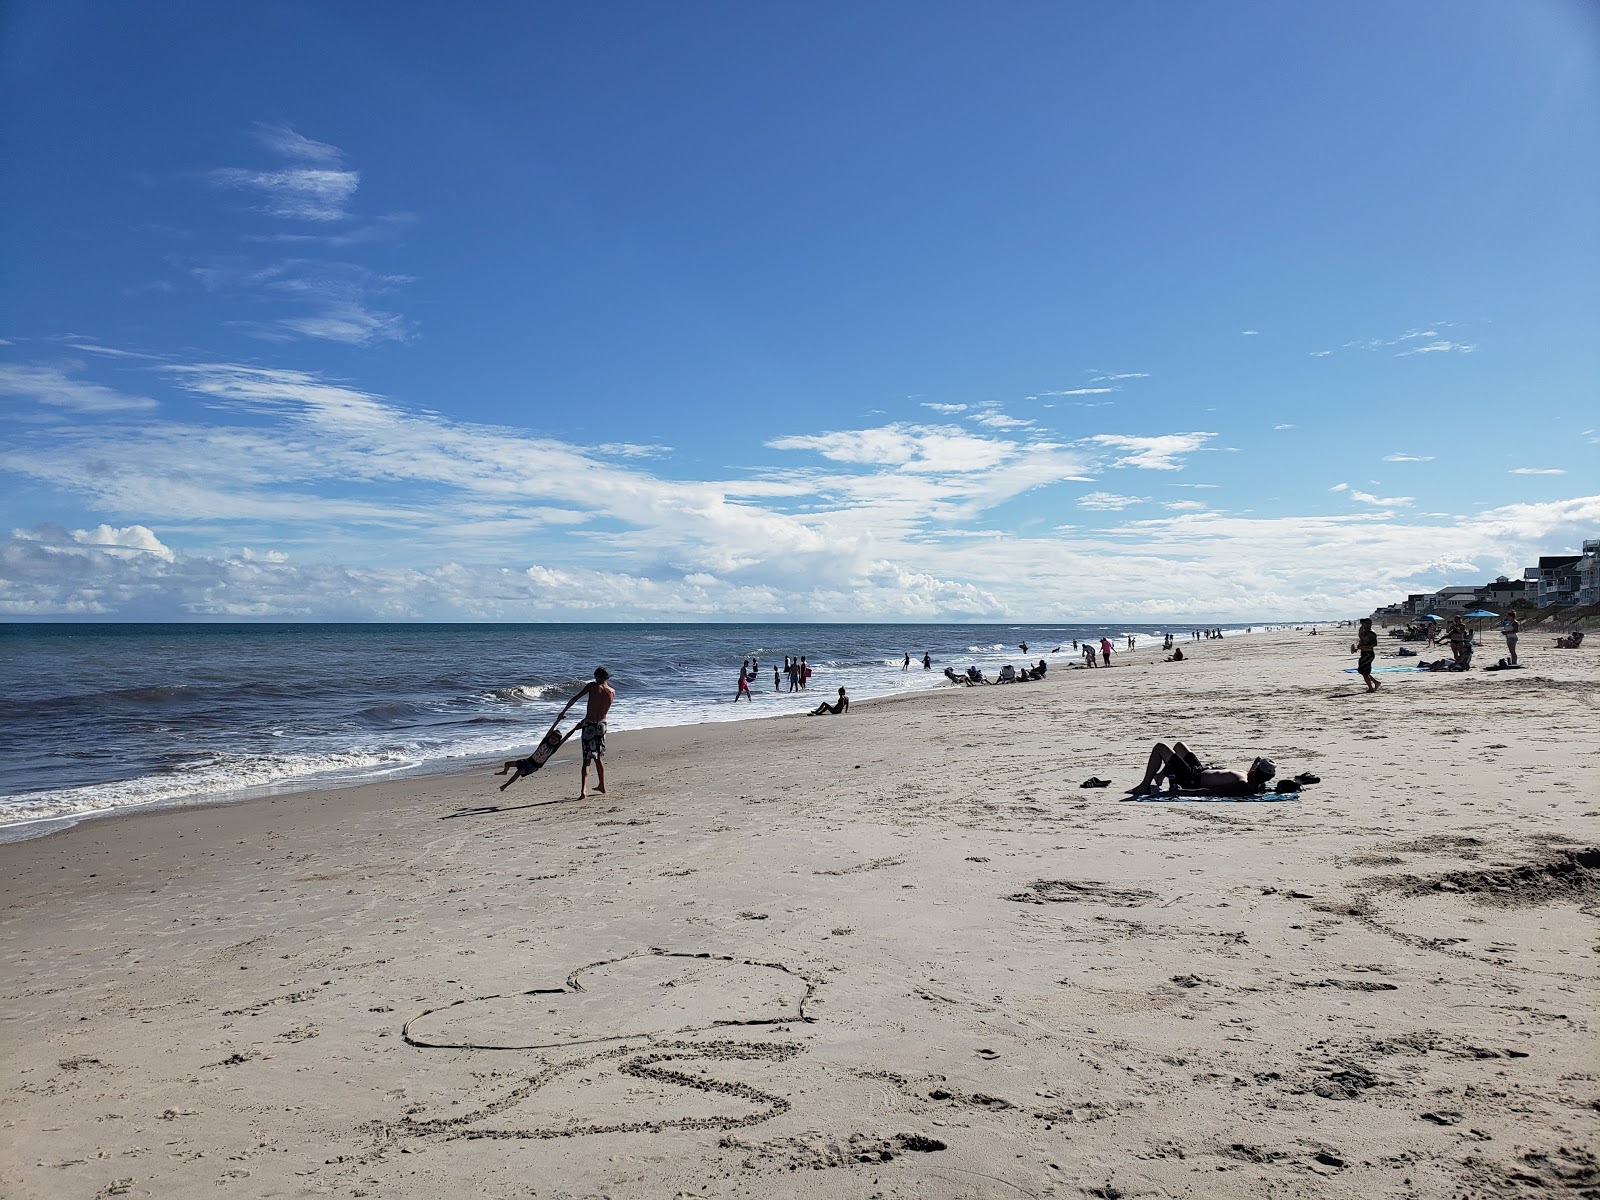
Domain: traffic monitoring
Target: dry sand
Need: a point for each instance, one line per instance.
(898, 953)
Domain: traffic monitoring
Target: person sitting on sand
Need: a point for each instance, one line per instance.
(825, 709)
(1175, 656)
(1187, 776)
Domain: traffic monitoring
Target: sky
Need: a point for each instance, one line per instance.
(898, 311)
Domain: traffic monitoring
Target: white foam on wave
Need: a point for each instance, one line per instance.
(221, 776)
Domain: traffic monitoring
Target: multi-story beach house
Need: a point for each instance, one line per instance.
(1589, 573)
(1504, 593)
(1454, 599)
(1555, 579)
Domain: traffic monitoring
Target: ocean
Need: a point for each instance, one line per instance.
(99, 718)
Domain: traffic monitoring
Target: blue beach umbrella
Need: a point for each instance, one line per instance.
(1480, 614)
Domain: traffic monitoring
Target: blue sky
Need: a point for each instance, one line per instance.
(897, 311)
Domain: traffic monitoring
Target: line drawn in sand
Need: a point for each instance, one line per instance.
(649, 999)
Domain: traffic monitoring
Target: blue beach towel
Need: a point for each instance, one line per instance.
(1263, 798)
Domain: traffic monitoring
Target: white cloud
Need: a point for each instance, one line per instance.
(282, 139)
(1440, 347)
(1251, 332)
(1083, 391)
(1537, 471)
(1109, 501)
(1382, 501)
(1153, 453)
(1340, 487)
(1185, 505)
(944, 408)
(1321, 353)
(132, 540)
(56, 387)
(632, 450)
(935, 449)
(1284, 425)
(1408, 458)
(998, 420)
(295, 193)
(1122, 375)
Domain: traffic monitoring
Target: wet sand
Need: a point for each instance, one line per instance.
(898, 953)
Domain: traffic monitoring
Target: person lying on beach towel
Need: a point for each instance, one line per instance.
(1185, 774)
(825, 709)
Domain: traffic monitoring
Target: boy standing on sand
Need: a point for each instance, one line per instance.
(600, 696)
(1367, 650)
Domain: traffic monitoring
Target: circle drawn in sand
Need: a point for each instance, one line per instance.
(646, 994)
(638, 996)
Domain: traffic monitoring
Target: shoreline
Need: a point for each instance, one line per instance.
(30, 828)
(804, 943)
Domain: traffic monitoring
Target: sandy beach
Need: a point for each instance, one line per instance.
(898, 953)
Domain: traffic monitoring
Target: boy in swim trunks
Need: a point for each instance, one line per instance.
(600, 696)
(1367, 650)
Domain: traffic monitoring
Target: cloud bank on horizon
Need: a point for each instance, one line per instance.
(309, 388)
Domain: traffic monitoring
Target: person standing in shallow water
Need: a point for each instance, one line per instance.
(600, 696)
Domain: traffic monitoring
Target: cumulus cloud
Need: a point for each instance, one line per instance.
(947, 409)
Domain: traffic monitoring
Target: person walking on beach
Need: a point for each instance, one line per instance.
(1510, 627)
(600, 696)
(1105, 650)
(1366, 651)
(744, 684)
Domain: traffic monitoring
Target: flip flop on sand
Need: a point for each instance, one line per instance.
(1095, 781)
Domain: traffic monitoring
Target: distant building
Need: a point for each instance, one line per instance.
(1555, 579)
(1504, 593)
(1588, 591)
(1454, 599)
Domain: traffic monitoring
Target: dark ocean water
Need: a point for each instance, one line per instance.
(101, 717)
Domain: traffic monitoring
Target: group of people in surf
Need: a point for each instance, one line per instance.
(796, 670)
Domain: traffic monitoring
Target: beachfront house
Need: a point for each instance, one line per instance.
(1454, 599)
(1504, 593)
(1589, 573)
(1555, 579)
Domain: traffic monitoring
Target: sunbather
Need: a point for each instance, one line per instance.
(825, 709)
(1186, 775)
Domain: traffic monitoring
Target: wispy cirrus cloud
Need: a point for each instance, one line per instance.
(1538, 471)
(1397, 457)
(57, 387)
(327, 299)
(1153, 453)
(1109, 501)
(1375, 501)
(314, 186)
(1440, 347)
